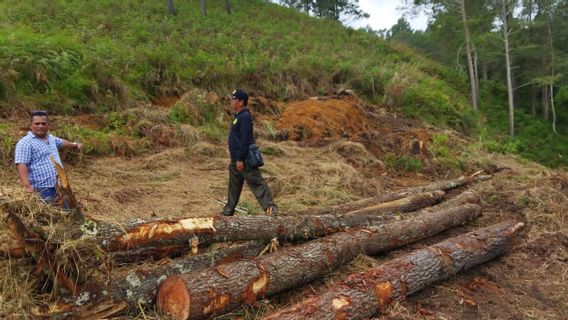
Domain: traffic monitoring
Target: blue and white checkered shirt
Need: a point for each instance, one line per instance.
(35, 153)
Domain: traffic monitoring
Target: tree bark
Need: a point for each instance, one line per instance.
(506, 31)
(545, 102)
(470, 67)
(203, 8)
(136, 288)
(221, 228)
(361, 295)
(206, 293)
(533, 100)
(228, 6)
(148, 253)
(363, 203)
(552, 76)
(171, 8)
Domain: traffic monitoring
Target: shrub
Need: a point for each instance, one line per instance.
(403, 163)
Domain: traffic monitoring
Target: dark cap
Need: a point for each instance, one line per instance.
(240, 95)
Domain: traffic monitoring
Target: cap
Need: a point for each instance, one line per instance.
(241, 95)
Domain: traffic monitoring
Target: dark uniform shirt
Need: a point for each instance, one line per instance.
(241, 136)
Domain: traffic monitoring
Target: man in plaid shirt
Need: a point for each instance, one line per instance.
(32, 157)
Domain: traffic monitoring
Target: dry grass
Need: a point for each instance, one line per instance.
(16, 289)
(186, 181)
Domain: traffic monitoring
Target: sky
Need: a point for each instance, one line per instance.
(385, 14)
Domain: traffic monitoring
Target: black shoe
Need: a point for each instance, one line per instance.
(228, 214)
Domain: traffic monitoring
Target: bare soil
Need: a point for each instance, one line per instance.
(331, 150)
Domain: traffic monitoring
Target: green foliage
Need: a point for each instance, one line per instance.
(271, 150)
(86, 56)
(433, 101)
(534, 138)
(94, 142)
(403, 163)
(214, 132)
(440, 146)
(447, 155)
(270, 129)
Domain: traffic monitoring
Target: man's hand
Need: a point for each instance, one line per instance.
(72, 146)
(240, 166)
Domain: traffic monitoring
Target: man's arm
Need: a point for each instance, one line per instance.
(24, 179)
(245, 138)
(71, 145)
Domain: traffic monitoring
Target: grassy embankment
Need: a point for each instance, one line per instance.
(73, 57)
(104, 57)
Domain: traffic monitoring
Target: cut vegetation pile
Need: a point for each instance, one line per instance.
(78, 260)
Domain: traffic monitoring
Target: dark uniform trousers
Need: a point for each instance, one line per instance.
(256, 184)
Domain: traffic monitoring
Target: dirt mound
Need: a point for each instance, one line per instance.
(321, 118)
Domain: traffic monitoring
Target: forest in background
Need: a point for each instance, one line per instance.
(474, 39)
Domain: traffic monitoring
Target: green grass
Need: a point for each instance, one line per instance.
(403, 163)
(97, 56)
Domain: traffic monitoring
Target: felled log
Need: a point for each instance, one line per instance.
(362, 295)
(446, 185)
(221, 228)
(136, 288)
(37, 248)
(367, 202)
(148, 253)
(462, 198)
(209, 292)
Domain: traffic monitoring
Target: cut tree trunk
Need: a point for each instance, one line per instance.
(367, 202)
(362, 295)
(209, 292)
(462, 198)
(148, 253)
(131, 289)
(221, 228)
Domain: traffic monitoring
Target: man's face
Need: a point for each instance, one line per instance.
(236, 104)
(39, 126)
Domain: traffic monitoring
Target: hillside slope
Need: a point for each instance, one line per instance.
(76, 56)
(348, 160)
(340, 115)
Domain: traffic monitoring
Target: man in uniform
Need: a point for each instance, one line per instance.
(240, 138)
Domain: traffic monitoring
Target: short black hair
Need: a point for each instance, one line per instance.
(38, 113)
